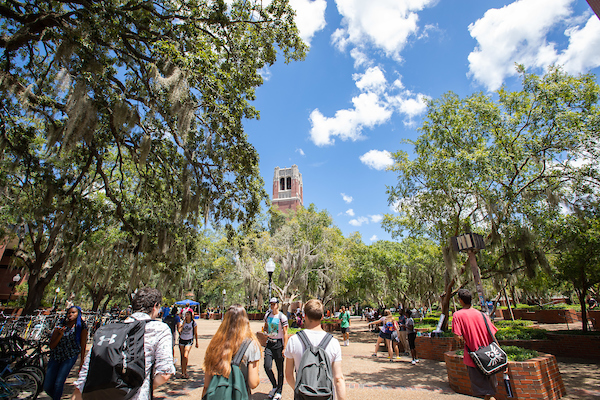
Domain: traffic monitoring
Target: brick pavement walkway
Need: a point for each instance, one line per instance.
(368, 377)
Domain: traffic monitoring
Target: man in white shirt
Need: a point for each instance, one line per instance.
(157, 345)
(313, 311)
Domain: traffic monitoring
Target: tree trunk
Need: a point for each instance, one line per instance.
(35, 292)
(105, 306)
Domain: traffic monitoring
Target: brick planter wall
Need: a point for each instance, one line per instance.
(577, 346)
(594, 317)
(545, 316)
(537, 378)
(331, 327)
(433, 348)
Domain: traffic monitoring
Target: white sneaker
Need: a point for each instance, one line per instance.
(417, 360)
(347, 342)
(413, 362)
(272, 393)
(277, 396)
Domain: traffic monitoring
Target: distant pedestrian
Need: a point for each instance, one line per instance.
(188, 331)
(388, 325)
(276, 327)
(67, 343)
(345, 325)
(402, 332)
(469, 324)
(313, 311)
(173, 321)
(412, 336)
(232, 332)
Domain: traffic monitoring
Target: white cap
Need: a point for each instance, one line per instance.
(273, 300)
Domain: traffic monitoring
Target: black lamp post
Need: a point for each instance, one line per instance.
(471, 243)
(15, 281)
(270, 268)
(223, 310)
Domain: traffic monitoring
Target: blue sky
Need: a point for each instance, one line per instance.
(340, 113)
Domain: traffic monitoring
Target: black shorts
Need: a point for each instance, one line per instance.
(482, 385)
(184, 342)
(411, 340)
(386, 336)
(344, 330)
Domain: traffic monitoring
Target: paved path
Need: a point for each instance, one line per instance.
(368, 377)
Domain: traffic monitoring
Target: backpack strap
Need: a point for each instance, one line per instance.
(325, 341)
(237, 359)
(304, 339)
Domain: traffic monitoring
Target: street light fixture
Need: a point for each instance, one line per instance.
(15, 281)
(471, 243)
(55, 296)
(270, 268)
(223, 310)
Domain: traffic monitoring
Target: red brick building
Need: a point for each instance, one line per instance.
(287, 188)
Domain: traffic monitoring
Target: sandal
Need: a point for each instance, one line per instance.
(374, 355)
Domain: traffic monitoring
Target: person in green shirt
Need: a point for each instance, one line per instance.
(345, 325)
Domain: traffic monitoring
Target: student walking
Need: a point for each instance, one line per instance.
(313, 311)
(470, 324)
(388, 325)
(232, 333)
(402, 332)
(345, 325)
(412, 336)
(276, 327)
(188, 331)
(68, 341)
(158, 355)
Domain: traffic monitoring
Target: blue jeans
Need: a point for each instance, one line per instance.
(56, 375)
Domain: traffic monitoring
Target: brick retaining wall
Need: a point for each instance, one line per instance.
(537, 378)
(577, 346)
(433, 348)
(545, 316)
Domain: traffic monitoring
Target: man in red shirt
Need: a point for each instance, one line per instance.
(469, 323)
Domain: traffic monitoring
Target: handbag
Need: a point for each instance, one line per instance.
(489, 359)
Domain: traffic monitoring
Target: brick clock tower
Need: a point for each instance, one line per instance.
(287, 189)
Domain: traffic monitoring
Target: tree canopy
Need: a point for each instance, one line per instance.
(139, 102)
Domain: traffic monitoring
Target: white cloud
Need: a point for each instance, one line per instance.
(377, 159)
(384, 24)
(347, 199)
(368, 111)
(310, 17)
(582, 53)
(376, 218)
(300, 151)
(372, 80)
(359, 221)
(350, 212)
(510, 35)
(374, 238)
(373, 107)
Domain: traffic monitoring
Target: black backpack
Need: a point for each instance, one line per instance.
(117, 367)
(171, 321)
(314, 379)
(234, 387)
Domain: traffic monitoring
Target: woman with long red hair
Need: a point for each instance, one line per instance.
(232, 332)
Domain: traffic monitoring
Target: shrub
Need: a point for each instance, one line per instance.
(513, 353)
(516, 322)
(292, 331)
(520, 333)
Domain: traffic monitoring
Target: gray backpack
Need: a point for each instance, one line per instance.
(314, 379)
